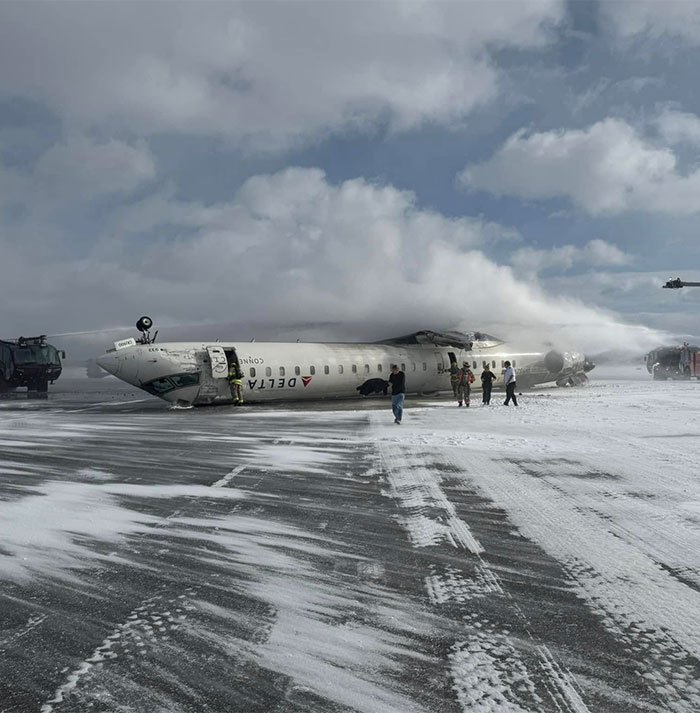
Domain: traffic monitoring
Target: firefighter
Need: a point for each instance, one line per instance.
(235, 382)
(455, 377)
(465, 384)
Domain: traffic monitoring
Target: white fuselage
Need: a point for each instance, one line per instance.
(195, 372)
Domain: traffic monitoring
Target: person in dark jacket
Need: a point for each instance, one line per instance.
(397, 379)
(487, 379)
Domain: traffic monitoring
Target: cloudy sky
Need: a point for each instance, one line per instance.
(372, 168)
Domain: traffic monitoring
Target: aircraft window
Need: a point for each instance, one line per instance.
(281, 371)
(326, 369)
(403, 367)
(493, 364)
(268, 371)
(513, 363)
(503, 364)
(425, 367)
(474, 365)
(379, 368)
(354, 368)
(297, 370)
(252, 371)
(340, 368)
(168, 383)
(181, 380)
(312, 370)
(159, 386)
(366, 368)
(413, 366)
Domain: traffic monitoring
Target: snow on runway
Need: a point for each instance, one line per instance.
(491, 559)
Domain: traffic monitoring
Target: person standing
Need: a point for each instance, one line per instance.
(397, 379)
(455, 377)
(235, 382)
(509, 379)
(465, 384)
(487, 379)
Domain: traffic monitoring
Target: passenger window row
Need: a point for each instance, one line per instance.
(353, 368)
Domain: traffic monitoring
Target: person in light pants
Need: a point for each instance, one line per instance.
(397, 379)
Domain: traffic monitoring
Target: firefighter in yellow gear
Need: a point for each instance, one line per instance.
(235, 382)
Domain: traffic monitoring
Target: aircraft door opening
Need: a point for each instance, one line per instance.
(219, 362)
(231, 357)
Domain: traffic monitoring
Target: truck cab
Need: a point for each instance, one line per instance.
(30, 362)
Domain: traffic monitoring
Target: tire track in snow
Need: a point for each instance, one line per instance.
(431, 518)
(641, 604)
(488, 672)
(155, 618)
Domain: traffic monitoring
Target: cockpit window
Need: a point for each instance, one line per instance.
(182, 380)
(157, 387)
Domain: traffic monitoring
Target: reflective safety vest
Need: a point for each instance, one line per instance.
(235, 375)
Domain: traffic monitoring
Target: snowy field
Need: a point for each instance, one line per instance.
(321, 558)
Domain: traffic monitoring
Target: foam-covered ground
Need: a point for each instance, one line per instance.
(320, 558)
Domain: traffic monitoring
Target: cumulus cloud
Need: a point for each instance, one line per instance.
(595, 253)
(293, 247)
(607, 168)
(676, 126)
(267, 73)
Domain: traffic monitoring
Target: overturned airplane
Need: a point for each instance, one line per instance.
(195, 373)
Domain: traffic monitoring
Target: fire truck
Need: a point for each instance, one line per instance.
(30, 362)
(677, 362)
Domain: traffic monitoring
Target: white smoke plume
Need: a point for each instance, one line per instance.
(291, 250)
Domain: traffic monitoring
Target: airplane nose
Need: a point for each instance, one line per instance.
(123, 363)
(109, 363)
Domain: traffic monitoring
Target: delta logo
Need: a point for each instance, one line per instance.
(306, 380)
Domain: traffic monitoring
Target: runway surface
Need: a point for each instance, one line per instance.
(318, 558)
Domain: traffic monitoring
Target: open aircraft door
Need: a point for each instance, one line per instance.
(219, 362)
(440, 362)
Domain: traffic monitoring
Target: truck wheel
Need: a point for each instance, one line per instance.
(41, 385)
(4, 388)
(686, 373)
